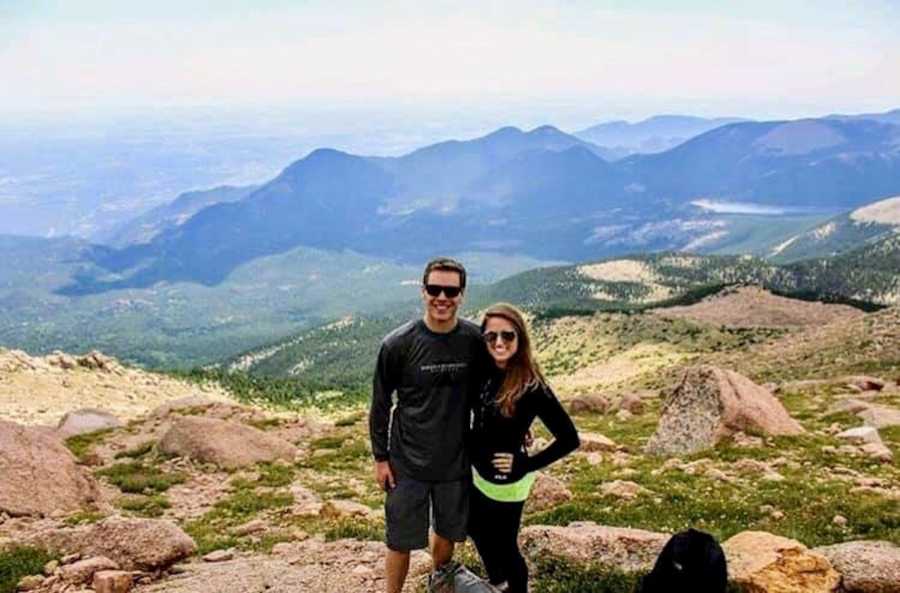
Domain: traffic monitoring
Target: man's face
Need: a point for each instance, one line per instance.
(441, 308)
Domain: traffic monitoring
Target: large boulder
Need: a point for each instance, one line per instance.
(39, 476)
(85, 421)
(229, 445)
(133, 544)
(866, 566)
(629, 550)
(710, 403)
(759, 562)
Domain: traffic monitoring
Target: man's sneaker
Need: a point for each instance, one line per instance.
(456, 578)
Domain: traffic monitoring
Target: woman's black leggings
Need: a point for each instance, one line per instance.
(494, 527)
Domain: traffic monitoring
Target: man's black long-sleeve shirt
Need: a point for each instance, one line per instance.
(433, 376)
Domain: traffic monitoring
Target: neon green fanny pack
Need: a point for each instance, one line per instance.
(517, 491)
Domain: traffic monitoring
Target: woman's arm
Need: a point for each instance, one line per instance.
(557, 421)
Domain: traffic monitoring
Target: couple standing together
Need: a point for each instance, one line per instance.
(451, 406)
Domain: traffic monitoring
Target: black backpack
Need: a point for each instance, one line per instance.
(691, 561)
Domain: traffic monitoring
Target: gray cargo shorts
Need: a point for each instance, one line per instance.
(412, 506)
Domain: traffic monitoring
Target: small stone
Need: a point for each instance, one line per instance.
(860, 435)
(254, 526)
(70, 558)
(112, 581)
(219, 556)
(777, 515)
(717, 474)
(51, 567)
(773, 477)
(878, 452)
(363, 571)
(840, 520)
(623, 489)
(594, 458)
(592, 441)
(623, 415)
(83, 570)
(30, 582)
(632, 402)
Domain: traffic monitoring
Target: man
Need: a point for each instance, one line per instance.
(420, 459)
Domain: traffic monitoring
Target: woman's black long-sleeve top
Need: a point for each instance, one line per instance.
(492, 432)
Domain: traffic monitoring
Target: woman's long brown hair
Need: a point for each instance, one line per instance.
(522, 371)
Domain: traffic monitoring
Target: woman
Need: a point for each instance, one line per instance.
(512, 396)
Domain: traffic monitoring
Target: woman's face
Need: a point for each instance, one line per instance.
(502, 340)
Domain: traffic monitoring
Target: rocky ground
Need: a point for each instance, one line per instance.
(795, 471)
(39, 389)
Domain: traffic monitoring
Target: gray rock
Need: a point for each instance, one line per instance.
(866, 566)
(880, 416)
(86, 421)
(134, 544)
(583, 543)
(229, 445)
(39, 476)
(709, 404)
(860, 435)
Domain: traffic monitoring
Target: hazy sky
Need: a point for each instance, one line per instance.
(563, 61)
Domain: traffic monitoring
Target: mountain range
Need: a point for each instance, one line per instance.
(542, 193)
(655, 134)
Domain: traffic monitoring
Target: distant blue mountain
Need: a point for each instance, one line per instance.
(656, 134)
(146, 226)
(541, 193)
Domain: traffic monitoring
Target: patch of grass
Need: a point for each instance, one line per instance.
(275, 474)
(265, 423)
(353, 455)
(808, 497)
(557, 576)
(553, 575)
(136, 452)
(140, 478)
(355, 529)
(83, 518)
(351, 419)
(145, 506)
(19, 561)
(329, 442)
(211, 531)
(81, 445)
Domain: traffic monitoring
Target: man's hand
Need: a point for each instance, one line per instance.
(384, 476)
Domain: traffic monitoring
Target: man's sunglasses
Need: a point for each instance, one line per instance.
(505, 335)
(435, 290)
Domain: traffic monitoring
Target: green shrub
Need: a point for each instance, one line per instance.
(20, 561)
(80, 445)
(139, 478)
(136, 452)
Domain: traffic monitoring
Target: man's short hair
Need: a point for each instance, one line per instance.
(445, 264)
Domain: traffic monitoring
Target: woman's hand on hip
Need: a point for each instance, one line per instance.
(503, 462)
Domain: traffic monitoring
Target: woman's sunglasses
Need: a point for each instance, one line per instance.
(506, 335)
(435, 290)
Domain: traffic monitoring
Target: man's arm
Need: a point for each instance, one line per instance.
(383, 386)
